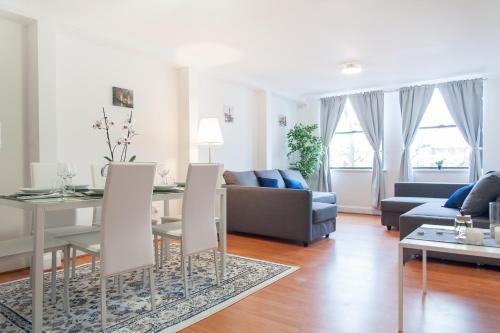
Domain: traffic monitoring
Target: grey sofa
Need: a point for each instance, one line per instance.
(416, 204)
(292, 214)
(410, 195)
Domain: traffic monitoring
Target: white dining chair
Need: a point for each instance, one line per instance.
(124, 241)
(59, 223)
(197, 231)
(164, 244)
(23, 247)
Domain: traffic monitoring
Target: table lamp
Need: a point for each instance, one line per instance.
(209, 134)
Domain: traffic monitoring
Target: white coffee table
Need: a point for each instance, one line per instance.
(436, 246)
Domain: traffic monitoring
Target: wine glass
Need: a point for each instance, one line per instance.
(162, 171)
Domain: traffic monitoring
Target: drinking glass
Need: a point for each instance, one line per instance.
(162, 171)
(462, 222)
(494, 217)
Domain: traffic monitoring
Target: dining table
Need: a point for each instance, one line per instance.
(39, 207)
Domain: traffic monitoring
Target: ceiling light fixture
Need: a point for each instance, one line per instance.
(351, 68)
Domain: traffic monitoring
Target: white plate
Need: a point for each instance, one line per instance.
(164, 187)
(81, 187)
(35, 190)
(181, 184)
(96, 190)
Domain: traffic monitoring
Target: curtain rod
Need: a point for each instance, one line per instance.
(397, 89)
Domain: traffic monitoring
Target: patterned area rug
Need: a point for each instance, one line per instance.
(131, 312)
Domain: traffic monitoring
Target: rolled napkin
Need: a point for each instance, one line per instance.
(474, 236)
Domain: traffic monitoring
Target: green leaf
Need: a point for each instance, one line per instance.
(132, 158)
(108, 158)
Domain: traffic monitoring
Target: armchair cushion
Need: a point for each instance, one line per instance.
(268, 182)
(486, 190)
(293, 184)
(322, 212)
(274, 174)
(324, 197)
(294, 174)
(242, 178)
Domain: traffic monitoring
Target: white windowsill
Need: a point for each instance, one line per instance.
(353, 170)
(442, 170)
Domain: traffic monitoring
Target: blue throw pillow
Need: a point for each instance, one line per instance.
(458, 197)
(293, 184)
(268, 182)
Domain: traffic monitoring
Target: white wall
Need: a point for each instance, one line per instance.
(240, 148)
(86, 72)
(353, 186)
(12, 149)
(278, 142)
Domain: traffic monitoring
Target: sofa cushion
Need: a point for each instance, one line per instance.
(404, 204)
(268, 182)
(274, 174)
(294, 174)
(242, 178)
(433, 209)
(324, 197)
(294, 184)
(457, 199)
(322, 212)
(486, 190)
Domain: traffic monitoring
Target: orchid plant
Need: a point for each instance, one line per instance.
(120, 146)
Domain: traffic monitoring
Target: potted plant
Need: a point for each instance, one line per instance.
(439, 164)
(305, 148)
(119, 148)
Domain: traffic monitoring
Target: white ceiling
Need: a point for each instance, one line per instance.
(295, 46)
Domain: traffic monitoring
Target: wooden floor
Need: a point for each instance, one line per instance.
(348, 283)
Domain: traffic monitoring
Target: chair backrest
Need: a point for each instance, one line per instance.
(126, 218)
(199, 232)
(45, 175)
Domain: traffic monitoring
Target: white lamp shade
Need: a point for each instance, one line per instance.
(209, 132)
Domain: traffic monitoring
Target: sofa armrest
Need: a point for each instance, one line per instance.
(430, 190)
(283, 213)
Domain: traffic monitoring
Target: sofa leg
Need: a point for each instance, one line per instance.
(389, 227)
(306, 244)
(327, 235)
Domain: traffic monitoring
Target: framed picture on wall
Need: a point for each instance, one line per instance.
(123, 97)
(282, 120)
(228, 114)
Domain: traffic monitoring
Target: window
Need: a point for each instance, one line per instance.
(349, 147)
(438, 138)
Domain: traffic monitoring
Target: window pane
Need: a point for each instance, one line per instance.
(350, 151)
(348, 121)
(437, 113)
(436, 144)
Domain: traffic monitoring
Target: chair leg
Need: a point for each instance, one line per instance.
(152, 287)
(190, 266)
(162, 246)
(167, 247)
(66, 278)
(157, 259)
(53, 276)
(185, 277)
(73, 263)
(103, 303)
(144, 277)
(120, 285)
(93, 264)
(216, 267)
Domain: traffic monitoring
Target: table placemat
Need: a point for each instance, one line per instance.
(448, 236)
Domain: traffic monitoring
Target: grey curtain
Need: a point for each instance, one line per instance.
(464, 100)
(413, 101)
(369, 108)
(330, 112)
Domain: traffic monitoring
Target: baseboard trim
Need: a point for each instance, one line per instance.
(358, 210)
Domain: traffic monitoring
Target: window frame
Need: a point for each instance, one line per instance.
(357, 168)
(443, 168)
